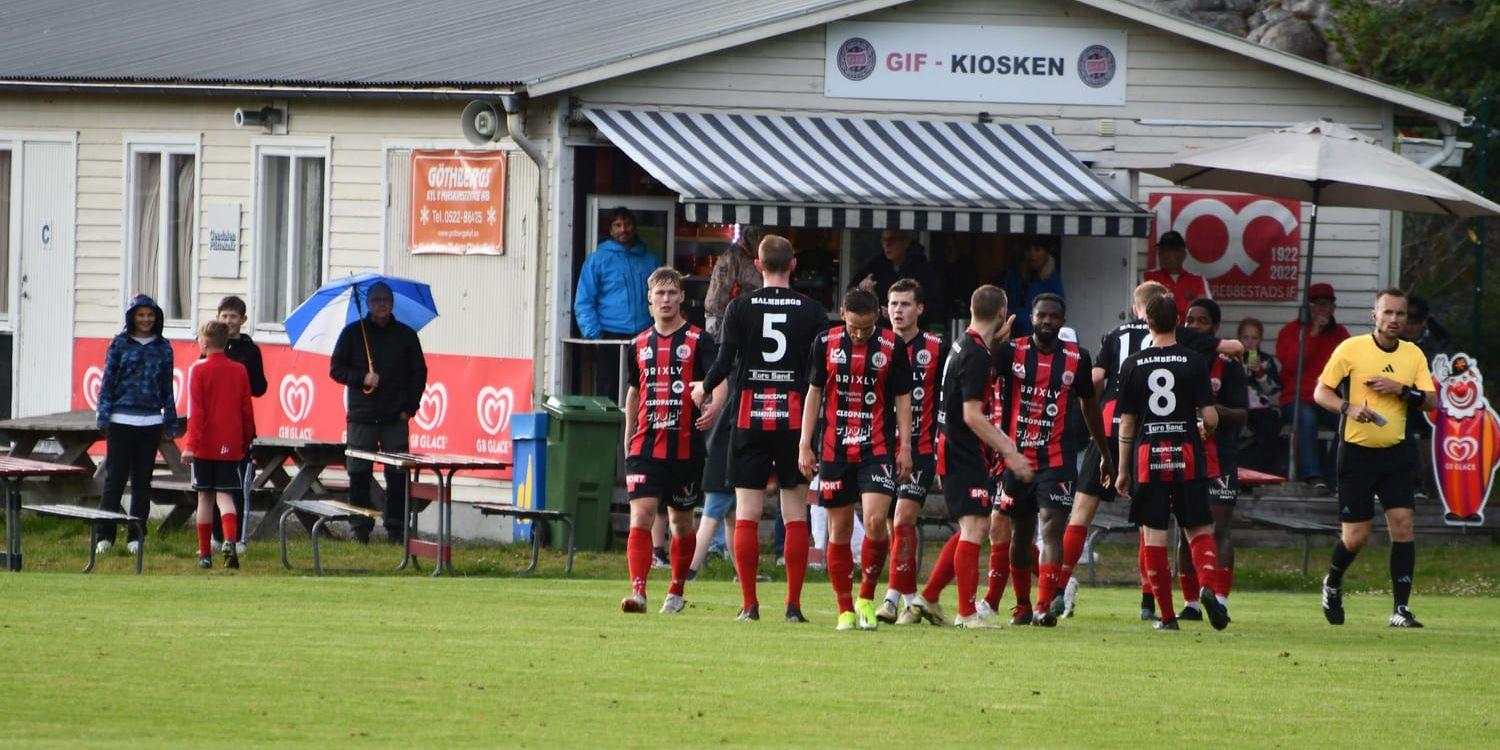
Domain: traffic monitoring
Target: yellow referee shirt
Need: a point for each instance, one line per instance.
(1359, 359)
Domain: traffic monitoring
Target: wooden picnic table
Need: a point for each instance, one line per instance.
(76, 432)
(443, 466)
(273, 456)
(14, 471)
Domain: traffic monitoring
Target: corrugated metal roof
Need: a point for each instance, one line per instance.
(355, 42)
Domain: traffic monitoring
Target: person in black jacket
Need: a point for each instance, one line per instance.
(241, 349)
(380, 360)
(902, 258)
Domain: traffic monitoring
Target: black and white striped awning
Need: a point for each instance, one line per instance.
(787, 170)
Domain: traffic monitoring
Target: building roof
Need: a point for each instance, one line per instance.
(545, 45)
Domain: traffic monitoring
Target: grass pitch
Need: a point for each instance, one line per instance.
(255, 660)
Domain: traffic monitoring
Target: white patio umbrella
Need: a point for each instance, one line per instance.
(1326, 164)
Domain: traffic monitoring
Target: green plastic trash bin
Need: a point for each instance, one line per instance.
(583, 439)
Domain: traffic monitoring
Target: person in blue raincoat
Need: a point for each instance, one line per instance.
(610, 302)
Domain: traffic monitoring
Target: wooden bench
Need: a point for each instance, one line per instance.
(178, 492)
(93, 517)
(1293, 525)
(324, 511)
(532, 514)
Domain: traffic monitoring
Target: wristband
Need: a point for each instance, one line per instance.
(1344, 408)
(1413, 396)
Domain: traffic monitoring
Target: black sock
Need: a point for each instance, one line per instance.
(1403, 564)
(1148, 601)
(1342, 559)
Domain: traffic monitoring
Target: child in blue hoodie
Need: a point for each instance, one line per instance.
(136, 408)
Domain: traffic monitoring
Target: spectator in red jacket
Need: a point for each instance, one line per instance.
(221, 425)
(1314, 465)
(1185, 286)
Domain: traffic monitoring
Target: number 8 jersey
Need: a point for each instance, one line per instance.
(1164, 387)
(770, 332)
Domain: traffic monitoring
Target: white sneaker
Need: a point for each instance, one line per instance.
(103, 546)
(982, 608)
(633, 604)
(133, 548)
(908, 616)
(929, 611)
(672, 604)
(975, 622)
(1070, 597)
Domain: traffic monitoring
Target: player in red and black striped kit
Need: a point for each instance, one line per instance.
(663, 443)
(856, 437)
(1165, 396)
(1094, 486)
(926, 353)
(1232, 403)
(964, 450)
(1038, 378)
(769, 332)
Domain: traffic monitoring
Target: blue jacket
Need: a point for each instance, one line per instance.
(138, 377)
(1022, 286)
(611, 293)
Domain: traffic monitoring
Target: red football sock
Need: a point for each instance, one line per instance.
(1225, 583)
(1046, 587)
(904, 559)
(1074, 538)
(1205, 557)
(840, 571)
(942, 572)
(797, 539)
(747, 558)
(682, 557)
(1141, 561)
(1188, 581)
(1020, 582)
(999, 574)
(1160, 574)
(638, 557)
(205, 539)
(966, 571)
(231, 522)
(872, 556)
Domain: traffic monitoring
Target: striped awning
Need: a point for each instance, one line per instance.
(790, 170)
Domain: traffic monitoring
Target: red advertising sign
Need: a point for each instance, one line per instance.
(1248, 247)
(457, 202)
(1465, 439)
(466, 408)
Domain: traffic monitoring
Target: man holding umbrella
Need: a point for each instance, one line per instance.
(380, 359)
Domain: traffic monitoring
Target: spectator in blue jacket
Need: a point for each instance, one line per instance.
(1037, 274)
(136, 407)
(611, 299)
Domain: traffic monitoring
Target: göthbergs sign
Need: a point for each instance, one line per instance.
(941, 62)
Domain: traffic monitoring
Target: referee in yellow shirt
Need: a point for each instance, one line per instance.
(1371, 380)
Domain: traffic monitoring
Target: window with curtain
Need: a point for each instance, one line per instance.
(4, 232)
(160, 235)
(289, 236)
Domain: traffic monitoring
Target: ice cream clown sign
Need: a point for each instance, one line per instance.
(1465, 439)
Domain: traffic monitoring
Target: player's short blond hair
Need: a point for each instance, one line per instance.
(665, 276)
(1147, 291)
(215, 334)
(987, 303)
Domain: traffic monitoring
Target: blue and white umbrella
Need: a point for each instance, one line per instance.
(316, 323)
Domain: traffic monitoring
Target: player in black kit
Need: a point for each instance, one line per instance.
(769, 333)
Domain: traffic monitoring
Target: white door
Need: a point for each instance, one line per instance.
(44, 315)
(1096, 276)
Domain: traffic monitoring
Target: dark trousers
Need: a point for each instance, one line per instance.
(607, 367)
(1266, 451)
(380, 436)
(130, 452)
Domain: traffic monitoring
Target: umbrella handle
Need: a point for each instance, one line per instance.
(369, 361)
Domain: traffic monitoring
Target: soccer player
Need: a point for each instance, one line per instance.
(1232, 403)
(1038, 377)
(1371, 380)
(1164, 410)
(769, 332)
(1095, 486)
(858, 409)
(926, 353)
(962, 460)
(664, 449)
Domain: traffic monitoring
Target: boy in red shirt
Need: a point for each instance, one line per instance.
(221, 424)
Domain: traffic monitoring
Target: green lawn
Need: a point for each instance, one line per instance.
(185, 658)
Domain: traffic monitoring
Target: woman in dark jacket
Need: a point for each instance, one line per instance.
(136, 408)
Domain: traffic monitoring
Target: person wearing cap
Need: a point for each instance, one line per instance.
(1185, 286)
(1324, 334)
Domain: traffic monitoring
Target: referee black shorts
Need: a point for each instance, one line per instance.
(1369, 473)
